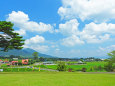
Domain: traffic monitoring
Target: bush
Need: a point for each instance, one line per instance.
(109, 67)
(91, 69)
(61, 66)
(84, 69)
(70, 70)
(95, 68)
(100, 68)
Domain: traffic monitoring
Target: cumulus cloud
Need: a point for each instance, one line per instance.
(91, 33)
(34, 40)
(35, 43)
(97, 10)
(69, 28)
(22, 21)
(71, 41)
(39, 48)
(21, 32)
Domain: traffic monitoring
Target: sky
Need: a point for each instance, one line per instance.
(63, 28)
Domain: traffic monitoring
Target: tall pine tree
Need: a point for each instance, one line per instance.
(9, 39)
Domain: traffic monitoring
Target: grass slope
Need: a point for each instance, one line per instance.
(56, 79)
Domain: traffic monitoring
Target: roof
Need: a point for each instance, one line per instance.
(6, 61)
(14, 61)
(8, 64)
(25, 61)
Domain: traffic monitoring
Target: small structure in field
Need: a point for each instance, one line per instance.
(48, 63)
(80, 62)
(1, 61)
(25, 61)
(15, 59)
(6, 61)
(8, 64)
(14, 62)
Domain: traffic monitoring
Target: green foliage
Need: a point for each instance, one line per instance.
(35, 54)
(61, 66)
(42, 59)
(19, 69)
(112, 56)
(19, 62)
(100, 68)
(109, 67)
(31, 61)
(89, 65)
(8, 38)
(84, 69)
(3, 65)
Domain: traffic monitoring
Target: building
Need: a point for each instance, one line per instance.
(6, 61)
(8, 64)
(1, 61)
(25, 61)
(48, 63)
(14, 62)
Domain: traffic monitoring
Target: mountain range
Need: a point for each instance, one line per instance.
(26, 52)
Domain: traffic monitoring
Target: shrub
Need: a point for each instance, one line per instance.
(100, 68)
(95, 68)
(70, 70)
(61, 66)
(84, 69)
(91, 69)
(109, 67)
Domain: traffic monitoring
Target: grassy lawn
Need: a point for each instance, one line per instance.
(56, 79)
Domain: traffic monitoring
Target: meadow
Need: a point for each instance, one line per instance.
(88, 66)
(56, 79)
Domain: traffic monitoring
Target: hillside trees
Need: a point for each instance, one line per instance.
(8, 38)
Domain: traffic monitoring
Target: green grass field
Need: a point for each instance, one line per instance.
(88, 65)
(56, 79)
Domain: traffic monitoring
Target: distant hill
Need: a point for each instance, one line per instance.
(26, 52)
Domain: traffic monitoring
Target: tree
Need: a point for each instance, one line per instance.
(42, 59)
(84, 69)
(112, 56)
(35, 54)
(8, 38)
(110, 65)
(61, 66)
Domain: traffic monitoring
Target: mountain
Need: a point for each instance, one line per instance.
(26, 52)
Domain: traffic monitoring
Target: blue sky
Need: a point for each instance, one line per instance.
(63, 28)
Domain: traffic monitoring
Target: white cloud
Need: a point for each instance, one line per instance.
(21, 32)
(97, 10)
(39, 48)
(71, 41)
(91, 33)
(105, 50)
(22, 21)
(35, 43)
(34, 40)
(69, 28)
(98, 29)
